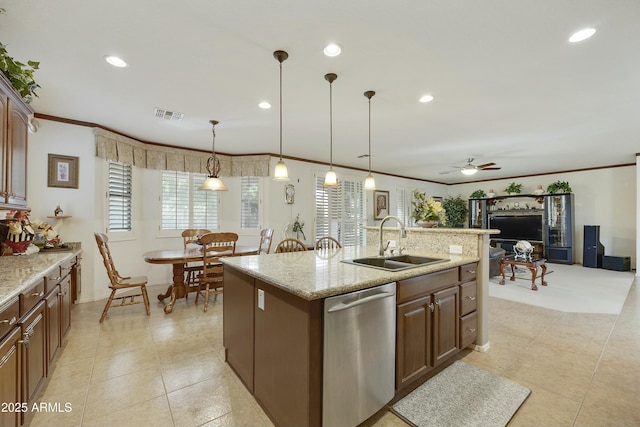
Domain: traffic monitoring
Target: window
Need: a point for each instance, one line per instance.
(404, 208)
(119, 195)
(340, 211)
(250, 202)
(184, 206)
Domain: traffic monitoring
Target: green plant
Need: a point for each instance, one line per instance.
(19, 74)
(514, 188)
(456, 210)
(298, 226)
(427, 209)
(478, 194)
(559, 187)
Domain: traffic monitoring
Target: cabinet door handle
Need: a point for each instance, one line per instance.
(26, 337)
(431, 306)
(9, 321)
(471, 298)
(38, 294)
(472, 330)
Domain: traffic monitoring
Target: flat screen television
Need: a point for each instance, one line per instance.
(517, 227)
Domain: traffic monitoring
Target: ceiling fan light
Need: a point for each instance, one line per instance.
(213, 183)
(280, 172)
(469, 171)
(369, 182)
(583, 34)
(330, 179)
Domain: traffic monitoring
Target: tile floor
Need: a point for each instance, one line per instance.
(169, 370)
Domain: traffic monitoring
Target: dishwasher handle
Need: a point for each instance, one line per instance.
(342, 306)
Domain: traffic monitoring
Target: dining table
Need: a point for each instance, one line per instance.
(178, 258)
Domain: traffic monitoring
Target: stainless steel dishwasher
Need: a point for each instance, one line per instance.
(359, 355)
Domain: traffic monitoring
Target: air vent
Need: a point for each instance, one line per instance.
(167, 115)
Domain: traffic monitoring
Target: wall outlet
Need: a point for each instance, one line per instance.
(260, 299)
(455, 249)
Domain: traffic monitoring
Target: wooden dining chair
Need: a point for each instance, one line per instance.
(266, 237)
(290, 245)
(327, 242)
(214, 247)
(118, 282)
(192, 269)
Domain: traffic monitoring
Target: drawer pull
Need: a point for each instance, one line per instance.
(38, 294)
(9, 321)
(471, 271)
(472, 330)
(56, 279)
(431, 306)
(471, 298)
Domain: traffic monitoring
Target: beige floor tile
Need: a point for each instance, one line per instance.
(70, 376)
(610, 405)
(545, 408)
(243, 416)
(154, 412)
(108, 366)
(192, 370)
(390, 420)
(123, 392)
(71, 403)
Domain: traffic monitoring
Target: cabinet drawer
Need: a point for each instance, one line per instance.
(468, 271)
(9, 314)
(52, 279)
(468, 329)
(30, 297)
(468, 297)
(66, 266)
(417, 286)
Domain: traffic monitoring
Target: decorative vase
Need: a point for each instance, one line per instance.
(427, 224)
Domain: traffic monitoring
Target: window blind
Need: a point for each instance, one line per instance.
(183, 205)
(250, 202)
(404, 208)
(340, 211)
(119, 197)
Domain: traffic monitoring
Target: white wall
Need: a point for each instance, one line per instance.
(605, 197)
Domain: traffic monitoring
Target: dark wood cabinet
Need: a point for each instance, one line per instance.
(10, 370)
(65, 306)
(76, 281)
(413, 346)
(34, 354)
(445, 324)
(14, 124)
(52, 317)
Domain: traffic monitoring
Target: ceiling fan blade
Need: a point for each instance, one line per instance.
(491, 169)
(485, 165)
(445, 172)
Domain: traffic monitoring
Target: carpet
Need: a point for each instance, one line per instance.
(462, 396)
(572, 289)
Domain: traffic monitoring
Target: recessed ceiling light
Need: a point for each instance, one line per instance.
(583, 34)
(115, 61)
(426, 98)
(332, 49)
(264, 105)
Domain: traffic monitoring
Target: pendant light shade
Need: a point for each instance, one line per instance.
(213, 182)
(369, 182)
(280, 172)
(330, 179)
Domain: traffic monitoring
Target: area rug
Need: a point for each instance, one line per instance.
(571, 288)
(462, 396)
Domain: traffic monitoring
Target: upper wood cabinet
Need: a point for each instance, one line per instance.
(14, 125)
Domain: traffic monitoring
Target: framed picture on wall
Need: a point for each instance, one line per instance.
(380, 204)
(63, 171)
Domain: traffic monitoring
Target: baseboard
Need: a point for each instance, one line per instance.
(481, 348)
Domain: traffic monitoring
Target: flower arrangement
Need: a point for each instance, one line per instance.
(297, 227)
(427, 209)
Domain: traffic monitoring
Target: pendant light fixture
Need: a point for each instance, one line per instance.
(280, 172)
(330, 179)
(213, 183)
(369, 182)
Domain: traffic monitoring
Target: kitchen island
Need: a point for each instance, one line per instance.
(274, 317)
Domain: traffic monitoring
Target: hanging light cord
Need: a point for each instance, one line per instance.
(369, 135)
(280, 110)
(330, 124)
(213, 164)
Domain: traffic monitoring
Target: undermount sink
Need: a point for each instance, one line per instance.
(394, 263)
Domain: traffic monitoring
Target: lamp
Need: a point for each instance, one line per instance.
(330, 179)
(369, 182)
(213, 183)
(280, 172)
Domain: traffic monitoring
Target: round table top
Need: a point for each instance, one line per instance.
(190, 254)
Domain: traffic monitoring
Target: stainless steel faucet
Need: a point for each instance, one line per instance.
(401, 233)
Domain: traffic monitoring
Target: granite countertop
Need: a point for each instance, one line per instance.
(437, 230)
(19, 272)
(314, 275)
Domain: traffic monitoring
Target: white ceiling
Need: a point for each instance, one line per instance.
(508, 86)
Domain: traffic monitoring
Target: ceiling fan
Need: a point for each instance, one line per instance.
(470, 169)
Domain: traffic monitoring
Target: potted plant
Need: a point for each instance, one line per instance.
(426, 211)
(478, 194)
(20, 75)
(456, 211)
(559, 187)
(513, 188)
